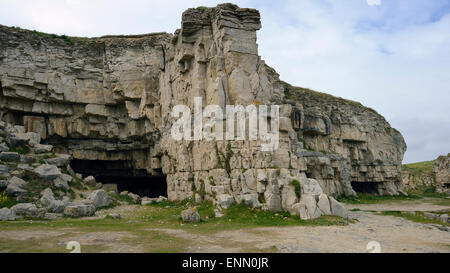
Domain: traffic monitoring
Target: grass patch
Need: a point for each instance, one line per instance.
(297, 187)
(417, 217)
(366, 198)
(425, 167)
(123, 198)
(144, 222)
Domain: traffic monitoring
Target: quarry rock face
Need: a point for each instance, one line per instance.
(111, 98)
(441, 168)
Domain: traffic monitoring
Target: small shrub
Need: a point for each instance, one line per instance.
(297, 187)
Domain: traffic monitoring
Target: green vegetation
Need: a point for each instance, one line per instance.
(305, 145)
(19, 149)
(6, 201)
(425, 167)
(297, 187)
(298, 93)
(366, 198)
(223, 159)
(123, 198)
(150, 228)
(68, 39)
(415, 217)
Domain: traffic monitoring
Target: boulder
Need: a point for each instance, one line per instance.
(58, 206)
(28, 209)
(7, 214)
(9, 156)
(337, 208)
(90, 180)
(190, 215)
(113, 216)
(62, 182)
(324, 204)
(135, 197)
(60, 161)
(4, 147)
(47, 197)
(99, 198)
(49, 172)
(79, 210)
(311, 206)
(41, 148)
(15, 186)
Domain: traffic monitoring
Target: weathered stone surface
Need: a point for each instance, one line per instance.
(47, 197)
(7, 214)
(41, 148)
(78, 210)
(111, 98)
(99, 198)
(47, 171)
(311, 206)
(28, 209)
(324, 204)
(90, 180)
(190, 215)
(225, 200)
(441, 168)
(59, 161)
(15, 186)
(9, 156)
(337, 208)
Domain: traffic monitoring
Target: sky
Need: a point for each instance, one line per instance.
(390, 55)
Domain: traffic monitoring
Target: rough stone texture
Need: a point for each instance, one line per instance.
(441, 168)
(99, 198)
(79, 210)
(190, 215)
(47, 197)
(428, 175)
(111, 98)
(28, 209)
(337, 208)
(7, 214)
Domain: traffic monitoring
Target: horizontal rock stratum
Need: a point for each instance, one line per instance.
(110, 98)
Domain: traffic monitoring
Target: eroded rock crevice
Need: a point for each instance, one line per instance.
(109, 99)
(121, 175)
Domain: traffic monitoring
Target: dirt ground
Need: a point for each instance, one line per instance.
(393, 234)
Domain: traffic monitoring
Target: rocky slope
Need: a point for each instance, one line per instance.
(110, 99)
(430, 175)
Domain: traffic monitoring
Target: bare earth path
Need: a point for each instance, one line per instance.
(394, 234)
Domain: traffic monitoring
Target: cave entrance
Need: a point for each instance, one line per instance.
(365, 187)
(124, 175)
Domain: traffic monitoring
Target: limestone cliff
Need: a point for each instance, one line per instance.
(110, 98)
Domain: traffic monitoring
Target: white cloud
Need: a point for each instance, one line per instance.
(374, 2)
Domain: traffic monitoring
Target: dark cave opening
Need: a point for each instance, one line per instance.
(124, 175)
(365, 187)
